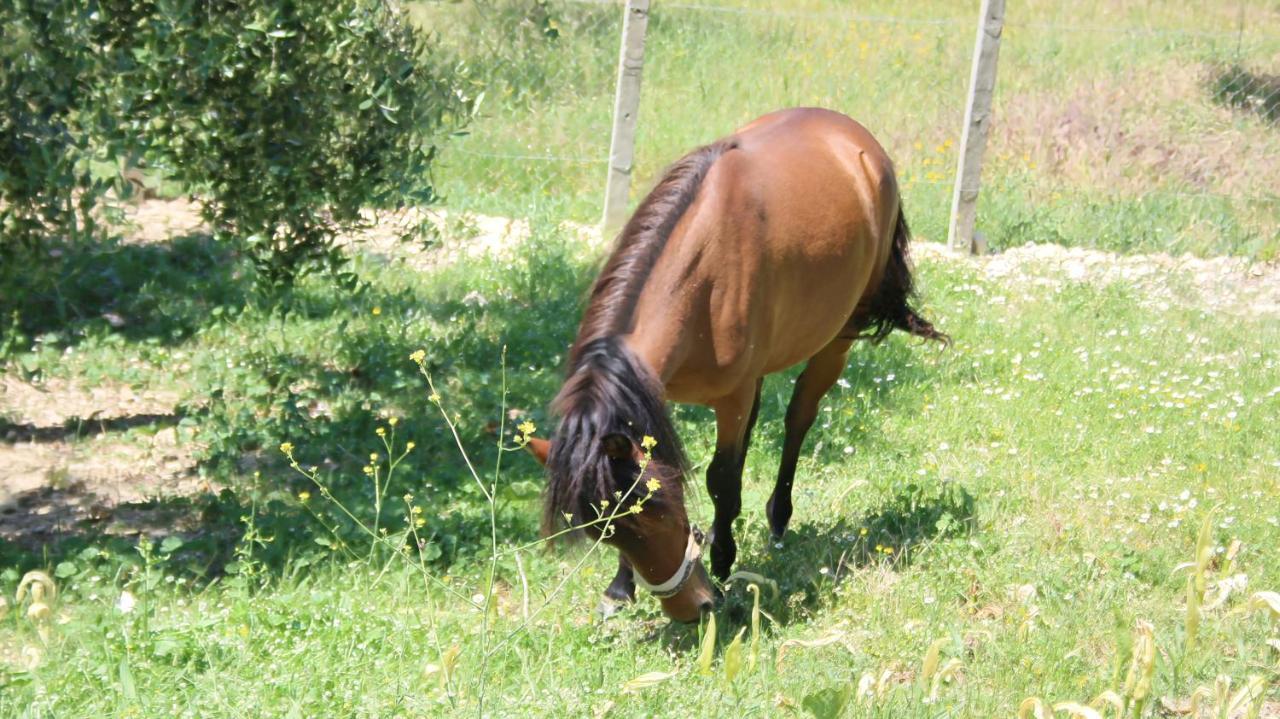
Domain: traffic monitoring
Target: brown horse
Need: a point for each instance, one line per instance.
(781, 243)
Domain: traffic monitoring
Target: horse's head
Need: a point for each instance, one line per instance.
(640, 511)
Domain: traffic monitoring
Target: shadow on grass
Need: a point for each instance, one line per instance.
(140, 292)
(73, 527)
(814, 558)
(324, 373)
(327, 371)
(80, 427)
(1242, 89)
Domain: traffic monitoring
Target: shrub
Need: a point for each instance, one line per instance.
(45, 186)
(290, 120)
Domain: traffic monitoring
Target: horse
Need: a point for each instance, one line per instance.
(783, 242)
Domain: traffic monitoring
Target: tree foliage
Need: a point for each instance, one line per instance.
(45, 75)
(288, 119)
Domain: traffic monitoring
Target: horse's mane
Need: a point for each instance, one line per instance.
(609, 391)
(612, 302)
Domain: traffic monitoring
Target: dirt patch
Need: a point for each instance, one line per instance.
(1230, 285)
(58, 402)
(153, 221)
(461, 235)
(65, 462)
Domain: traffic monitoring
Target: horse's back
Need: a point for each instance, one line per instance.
(788, 231)
(825, 202)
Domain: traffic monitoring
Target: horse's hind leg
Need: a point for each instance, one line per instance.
(819, 374)
(735, 417)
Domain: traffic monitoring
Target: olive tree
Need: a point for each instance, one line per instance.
(288, 120)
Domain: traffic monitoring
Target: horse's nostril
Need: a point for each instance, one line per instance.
(706, 607)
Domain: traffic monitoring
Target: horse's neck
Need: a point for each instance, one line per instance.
(662, 339)
(670, 318)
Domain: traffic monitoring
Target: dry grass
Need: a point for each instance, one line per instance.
(1154, 130)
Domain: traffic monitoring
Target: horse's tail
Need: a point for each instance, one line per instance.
(891, 309)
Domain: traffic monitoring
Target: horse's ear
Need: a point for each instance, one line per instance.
(617, 446)
(539, 448)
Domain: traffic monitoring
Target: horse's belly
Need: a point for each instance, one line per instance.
(813, 305)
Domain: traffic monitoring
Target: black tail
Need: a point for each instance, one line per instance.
(891, 309)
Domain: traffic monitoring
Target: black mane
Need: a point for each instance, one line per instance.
(610, 392)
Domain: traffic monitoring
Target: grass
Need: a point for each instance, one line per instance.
(1023, 498)
(1071, 441)
(1102, 136)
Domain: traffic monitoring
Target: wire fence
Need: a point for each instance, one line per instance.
(1152, 126)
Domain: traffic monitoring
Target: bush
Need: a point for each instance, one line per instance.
(288, 119)
(45, 186)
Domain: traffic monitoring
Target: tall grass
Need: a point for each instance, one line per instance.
(1104, 134)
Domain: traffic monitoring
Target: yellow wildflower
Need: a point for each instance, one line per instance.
(381, 431)
(653, 484)
(377, 311)
(393, 421)
(526, 428)
(286, 447)
(648, 443)
(418, 356)
(303, 496)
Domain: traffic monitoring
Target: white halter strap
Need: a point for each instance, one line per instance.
(672, 587)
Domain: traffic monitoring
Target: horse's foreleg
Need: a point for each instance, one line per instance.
(621, 591)
(819, 374)
(735, 417)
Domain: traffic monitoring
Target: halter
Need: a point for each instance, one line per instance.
(672, 587)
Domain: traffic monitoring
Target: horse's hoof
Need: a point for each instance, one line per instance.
(777, 526)
(610, 607)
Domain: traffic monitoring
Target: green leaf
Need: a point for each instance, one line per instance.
(64, 570)
(708, 646)
(170, 544)
(524, 489)
(828, 703)
(127, 688)
(733, 657)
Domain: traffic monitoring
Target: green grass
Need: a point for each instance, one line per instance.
(1085, 433)
(1072, 440)
(1100, 137)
